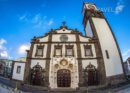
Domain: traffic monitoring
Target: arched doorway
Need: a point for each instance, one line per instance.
(91, 76)
(63, 78)
(37, 75)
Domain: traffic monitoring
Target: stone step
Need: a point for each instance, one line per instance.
(63, 90)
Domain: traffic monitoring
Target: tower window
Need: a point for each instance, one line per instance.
(88, 50)
(69, 50)
(107, 54)
(18, 69)
(39, 51)
(58, 50)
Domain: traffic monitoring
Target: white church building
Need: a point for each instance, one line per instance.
(65, 58)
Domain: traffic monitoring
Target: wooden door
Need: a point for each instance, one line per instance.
(63, 78)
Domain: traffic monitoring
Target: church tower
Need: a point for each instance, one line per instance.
(96, 26)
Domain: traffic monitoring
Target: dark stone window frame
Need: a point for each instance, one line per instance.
(93, 69)
(88, 47)
(69, 47)
(57, 47)
(39, 47)
(107, 54)
(18, 70)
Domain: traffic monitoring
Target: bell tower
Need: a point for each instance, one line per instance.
(96, 26)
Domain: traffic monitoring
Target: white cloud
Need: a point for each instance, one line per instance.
(22, 49)
(23, 18)
(119, 7)
(50, 22)
(4, 54)
(36, 18)
(2, 41)
(3, 50)
(126, 54)
(37, 21)
(40, 21)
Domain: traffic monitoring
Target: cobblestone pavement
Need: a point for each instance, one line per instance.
(126, 90)
(35, 89)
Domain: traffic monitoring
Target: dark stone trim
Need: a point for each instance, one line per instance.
(101, 67)
(66, 56)
(27, 76)
(48, 55)
(39, 47)
(12, 69)
(89, 58)
(18, 81)
(88, 47)
(107, 54)
(57, 47)
(69, 47)
(116, 79)
(73, 31)
(64, 42)
(39, 58)
(88, 15)
(19, 61)
(81, 80)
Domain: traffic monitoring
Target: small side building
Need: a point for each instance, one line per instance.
(127, 67)
(18, 70)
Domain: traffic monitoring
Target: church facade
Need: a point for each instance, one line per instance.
(66, 58)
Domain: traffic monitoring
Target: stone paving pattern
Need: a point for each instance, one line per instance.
(122, 88)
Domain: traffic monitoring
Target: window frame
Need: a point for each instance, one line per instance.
(39, 47)
(107, 54)
(57, 47)
(69, 47)
(18, 70)
(88, 47)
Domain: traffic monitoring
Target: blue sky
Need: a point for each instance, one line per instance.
(21, 20)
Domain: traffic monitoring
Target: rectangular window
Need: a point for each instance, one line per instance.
(69, 50)
(39, 51)
(58, 50)
(107, 54)
(88, 50)
(18, 69)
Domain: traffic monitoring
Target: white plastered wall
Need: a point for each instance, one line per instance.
(85, 63)
(42, 63)
(44, 51)
(83, 39)
(63, 31)
(113, 64)
(43, 39)
(83, 51)
(56, 37)
(89, 30)
(18, 76)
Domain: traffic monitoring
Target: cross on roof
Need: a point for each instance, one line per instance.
(63, 23)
